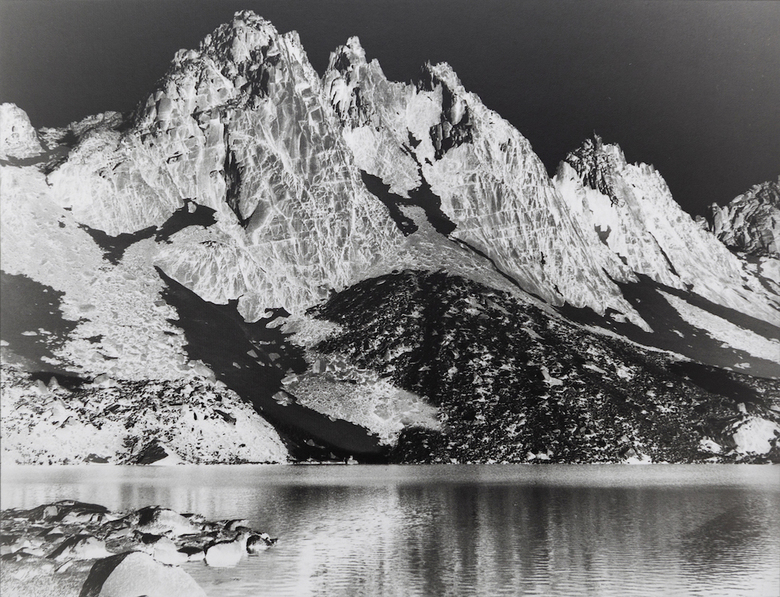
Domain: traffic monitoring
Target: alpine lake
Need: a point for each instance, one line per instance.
(460, 530)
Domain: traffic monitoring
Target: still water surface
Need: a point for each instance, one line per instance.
(462, 530)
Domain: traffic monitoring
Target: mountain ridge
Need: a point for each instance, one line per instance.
(259, 186)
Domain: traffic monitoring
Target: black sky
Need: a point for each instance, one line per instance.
(690, 86)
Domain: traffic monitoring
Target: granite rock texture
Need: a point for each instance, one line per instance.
(258, 185)
(630, 208)
(441, 146)
(18, 138)
(751, 222)
(239, 126)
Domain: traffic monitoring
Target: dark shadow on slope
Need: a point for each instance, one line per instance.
(672, 332)
(422, 197)
(392, 201)
(26, 307)
(66, 380)
(218, 336)
(48, 160)
(717, 381)
(498, 270)
(190, 214)
(114, 247)
(753, 324)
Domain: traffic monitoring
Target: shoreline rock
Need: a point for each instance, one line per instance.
(85, 550)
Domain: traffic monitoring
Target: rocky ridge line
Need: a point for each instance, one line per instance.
(631, 210)
(750, 222)
(482, 172)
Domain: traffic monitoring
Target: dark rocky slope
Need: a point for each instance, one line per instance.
(515, 384)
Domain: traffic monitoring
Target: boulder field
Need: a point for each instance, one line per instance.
(70, 548)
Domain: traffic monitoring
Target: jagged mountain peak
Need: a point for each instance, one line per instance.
(596, 163)
(593, 149)
(345, 59)
(632, 210)
(247, 181)
(238, 126)
(440, 73)
(751, 221)
(238, 64)
(249, 43)
(765, 193)
(18, 138)
(477, 167)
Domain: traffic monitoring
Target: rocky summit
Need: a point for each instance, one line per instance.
(265, 264)
(751, 222)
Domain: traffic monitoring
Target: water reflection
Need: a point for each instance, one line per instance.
(464, 531)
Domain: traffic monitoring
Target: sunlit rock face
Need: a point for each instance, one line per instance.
(18, 138)
(239, 126)
(123, 326)
(630, 208)
(751, 222)
(436, 143)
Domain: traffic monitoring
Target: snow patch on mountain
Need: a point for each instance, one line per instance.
(756, 435)
(123, 325)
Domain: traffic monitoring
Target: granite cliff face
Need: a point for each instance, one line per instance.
(237, 126)
(246, 190)
(434, 144)
(751, 222)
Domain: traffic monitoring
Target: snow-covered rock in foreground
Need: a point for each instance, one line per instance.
(135, 573)
(631, 210)
(18, 139)
(751, 221)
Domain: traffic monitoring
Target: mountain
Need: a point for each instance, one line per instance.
(634, 214)
(382, 270)
(751, 222)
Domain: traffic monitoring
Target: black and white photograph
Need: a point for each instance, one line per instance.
(389, 298)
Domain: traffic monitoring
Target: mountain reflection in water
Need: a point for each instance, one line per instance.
(463, 530)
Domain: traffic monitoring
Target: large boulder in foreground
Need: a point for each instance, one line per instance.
(134, 573)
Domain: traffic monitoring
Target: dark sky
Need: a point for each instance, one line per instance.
(692, 87)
